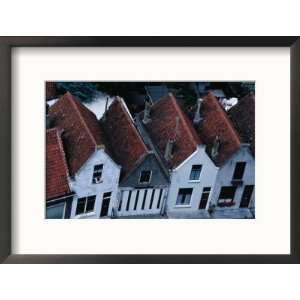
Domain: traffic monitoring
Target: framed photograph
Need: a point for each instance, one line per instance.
(149, 149)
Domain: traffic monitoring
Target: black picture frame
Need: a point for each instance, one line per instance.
(6, 45)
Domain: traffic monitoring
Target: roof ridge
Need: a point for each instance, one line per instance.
(183, 119)
(72, 99)
(126, 111)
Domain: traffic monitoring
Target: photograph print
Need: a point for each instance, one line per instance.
(150, 150)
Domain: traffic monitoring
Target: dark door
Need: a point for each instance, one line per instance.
(204, 197)
(105, 204)
(246, 196)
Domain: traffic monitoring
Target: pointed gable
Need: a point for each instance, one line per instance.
(82, 134)
(56, 166)
(161, 128)
(216, 123)
(126, 144)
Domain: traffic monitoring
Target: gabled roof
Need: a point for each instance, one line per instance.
(215, 122)
(82, 132)
(56, 166)
(126, 144)
(243, 118)
(162, 127)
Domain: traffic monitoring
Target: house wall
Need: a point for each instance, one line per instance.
(82, 183)
(158, 182)
(157, 205)
(225, 175)
(158, 178)
(180, 179)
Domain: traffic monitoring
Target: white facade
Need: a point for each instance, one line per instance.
(141, 201)
(224, 179)
(180, 179)
(83, 185)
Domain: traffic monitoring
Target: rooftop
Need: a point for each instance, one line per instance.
(56, 166)
(164, 115)
(216, 123)
(127, 145)
(82, 133)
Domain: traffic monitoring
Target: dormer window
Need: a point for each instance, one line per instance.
(145, 176)
(97, 174)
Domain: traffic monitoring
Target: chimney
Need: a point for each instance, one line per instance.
(215, 148)
(171, 141)
(146, 118)
(197, 117)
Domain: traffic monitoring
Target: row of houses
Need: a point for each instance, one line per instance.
(158, 163)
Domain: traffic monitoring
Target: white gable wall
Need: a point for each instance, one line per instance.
(83, 186)
(180, 179)
(225, 175)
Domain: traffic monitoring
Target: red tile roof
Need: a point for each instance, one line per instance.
(162, 127)
(216, 123)
(243, 118)
(126, 144)
(56, 166)
(82, 132)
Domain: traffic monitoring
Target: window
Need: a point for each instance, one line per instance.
(128, 200)
(120, 204)
(239, 170)
(85, 205)
(226, 196)
(246, 197)
(151, 200)
(145, 176)
(97, 174)
(144, 200)
(204, 197)
(56, 211)
(184, 196)
(195, 172)
(136, 199)
(159, 198)
(105, 204)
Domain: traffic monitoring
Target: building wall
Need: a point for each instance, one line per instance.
(225, 175)
(133, 209)
(180, 179)
(82, 184)
(158, 185)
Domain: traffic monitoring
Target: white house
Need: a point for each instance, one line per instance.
(233, 191)
(192, 172)
(93, 175)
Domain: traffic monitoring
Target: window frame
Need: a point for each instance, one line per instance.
(85, 205)
(195, 180)
(235, 169)
(184, 204)
(150, 177)
(204, 193)
(94, 177)
(226, 202)
(64, 210)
